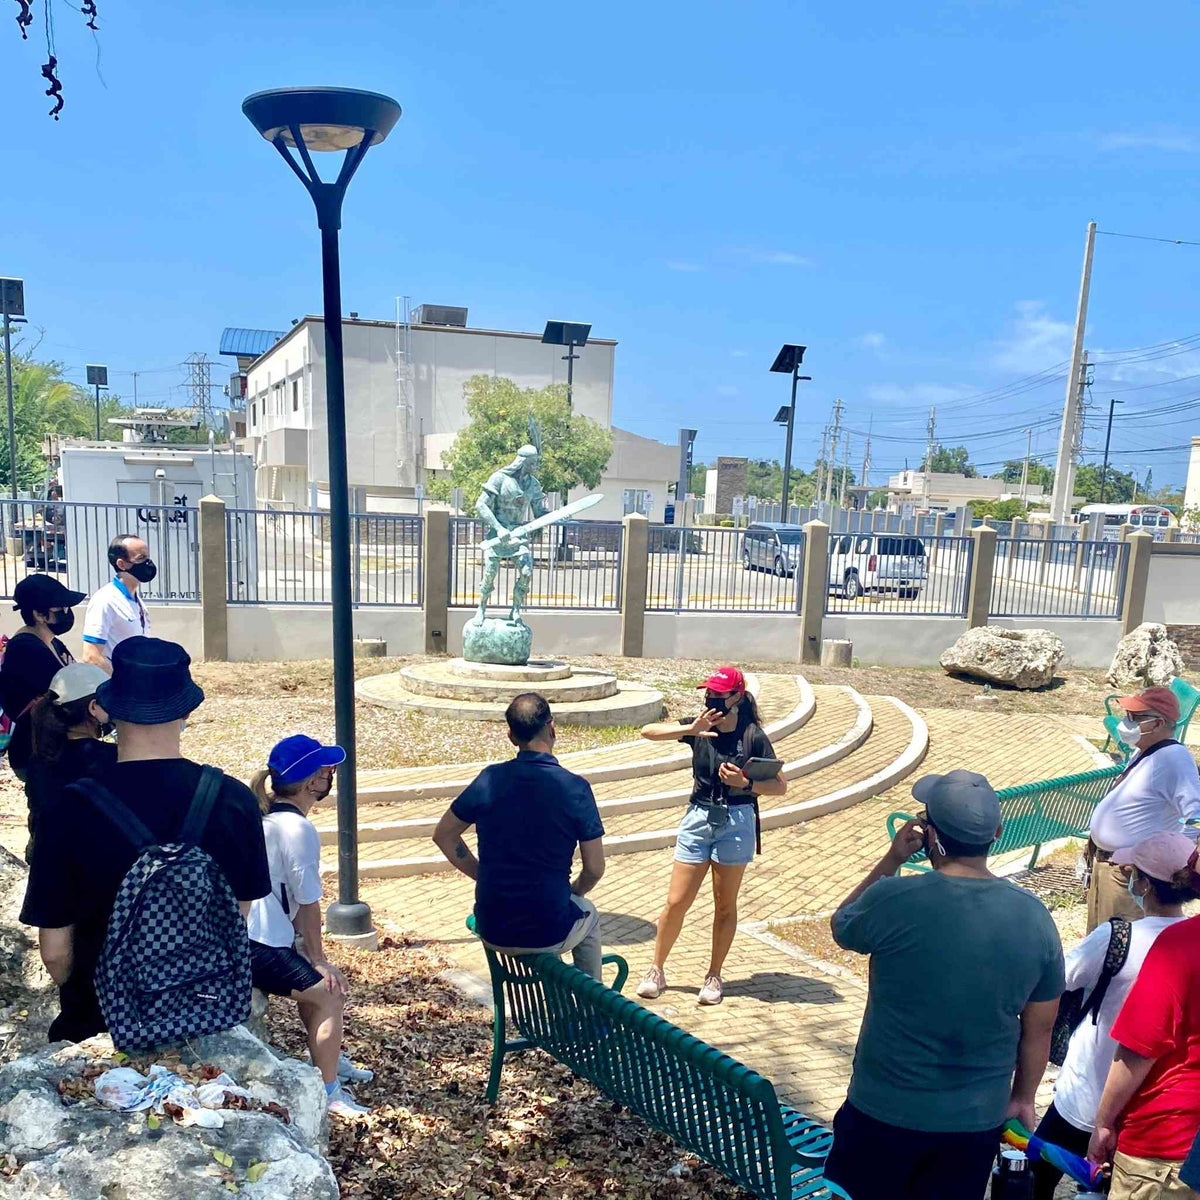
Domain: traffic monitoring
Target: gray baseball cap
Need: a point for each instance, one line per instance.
(962, 805)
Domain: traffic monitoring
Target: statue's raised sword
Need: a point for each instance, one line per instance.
(559, 514)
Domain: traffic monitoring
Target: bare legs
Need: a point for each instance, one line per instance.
(686, 879)
(321, 1012)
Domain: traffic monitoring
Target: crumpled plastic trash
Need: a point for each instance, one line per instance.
(128, 1090)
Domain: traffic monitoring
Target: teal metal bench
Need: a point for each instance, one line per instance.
(1036, 813)
(703, 1099)
(1188, 698)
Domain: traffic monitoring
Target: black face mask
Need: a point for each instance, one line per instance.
(143, 571)
(716, 703)
(63, 623)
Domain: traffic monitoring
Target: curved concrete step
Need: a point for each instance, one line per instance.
(789, 696)
(843, 716)
(901, 745)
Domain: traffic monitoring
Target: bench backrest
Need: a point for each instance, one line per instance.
(1188, 698)
(705, 1100)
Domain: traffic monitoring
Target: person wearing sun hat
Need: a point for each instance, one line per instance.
(720, 827)
(298, 776)
(80, 855)
(1158, 790)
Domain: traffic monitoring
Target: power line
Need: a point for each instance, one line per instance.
(1141, 237)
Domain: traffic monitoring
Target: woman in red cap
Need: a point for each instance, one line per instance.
(720, 826)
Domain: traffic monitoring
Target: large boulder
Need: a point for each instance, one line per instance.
(1145, 657)
(1021, 658)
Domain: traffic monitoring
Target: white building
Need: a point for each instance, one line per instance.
(405, 405)
(1191, 490)
(946, 491)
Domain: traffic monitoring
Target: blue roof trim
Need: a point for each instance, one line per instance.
(247, 342)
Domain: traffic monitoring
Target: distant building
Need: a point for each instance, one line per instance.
(944, 492)
(405, 406)
(1191, 490)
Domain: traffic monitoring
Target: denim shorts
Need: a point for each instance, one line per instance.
(728, 845)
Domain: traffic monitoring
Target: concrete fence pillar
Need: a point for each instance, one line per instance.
(1170, 534)
(1126, 532)
(814, 590)
(635, 580)
(1045, 551)
(939, 531)
(983, 567)
(1137, 573)
(435, 578)
(214, 604)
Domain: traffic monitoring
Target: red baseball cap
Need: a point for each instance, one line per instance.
(1158, 701)
(724, 679)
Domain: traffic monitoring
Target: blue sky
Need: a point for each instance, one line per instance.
(903, 189)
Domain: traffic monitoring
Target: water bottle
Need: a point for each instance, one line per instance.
(1012, 1177)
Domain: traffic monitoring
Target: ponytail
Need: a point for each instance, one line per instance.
(752, 707)
(266, 796)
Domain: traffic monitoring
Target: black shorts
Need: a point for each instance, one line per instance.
(281, 970)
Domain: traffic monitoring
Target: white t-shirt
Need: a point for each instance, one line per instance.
(1152, 795)
(1090, 1054)
(294, 860)
(114, 614)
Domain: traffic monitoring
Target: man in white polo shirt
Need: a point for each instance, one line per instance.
(1158, 790)
(115, 611)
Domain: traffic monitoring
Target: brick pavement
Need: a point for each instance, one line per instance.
(785, 1017)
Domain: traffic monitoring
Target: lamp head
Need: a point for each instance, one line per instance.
(788, 358)
(326, 118)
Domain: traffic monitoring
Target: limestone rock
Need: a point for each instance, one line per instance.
(1021, 658)
(1145, 657)
(85, 1149)
(497, 640)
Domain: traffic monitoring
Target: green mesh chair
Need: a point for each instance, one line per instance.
(1188, 698)
(701, 1098)
(1035, 813)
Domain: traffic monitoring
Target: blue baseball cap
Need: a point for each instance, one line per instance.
(297, 757)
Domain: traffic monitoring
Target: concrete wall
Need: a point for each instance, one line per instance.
(764, 637)
(895, 641)
(554, 632)
(1173, 586)
(1090, 644)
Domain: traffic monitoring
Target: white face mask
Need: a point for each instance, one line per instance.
(1130, 732)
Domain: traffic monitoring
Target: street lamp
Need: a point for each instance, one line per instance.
(569, 334)
(12, 303)
(328, 119)
(787, 362)
(97, 376)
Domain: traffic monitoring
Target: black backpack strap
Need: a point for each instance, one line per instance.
(1114, 959)
(207, 787)
(116, 811)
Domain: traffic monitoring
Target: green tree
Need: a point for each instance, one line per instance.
(951, 461)
(1039, 473)
(698, 478)
(1118, 490)
(575, 449)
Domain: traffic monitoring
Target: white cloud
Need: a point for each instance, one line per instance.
(1034, 340)
(683, 266)
(738, 353)
(777, 258)
(915, 393)
(872, 340)
(1175, 143)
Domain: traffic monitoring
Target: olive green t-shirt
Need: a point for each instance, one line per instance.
(953, 963)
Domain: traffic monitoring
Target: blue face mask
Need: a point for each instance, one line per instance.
(1140, 901)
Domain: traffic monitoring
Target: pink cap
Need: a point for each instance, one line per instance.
(724, 679)
(1160, 856)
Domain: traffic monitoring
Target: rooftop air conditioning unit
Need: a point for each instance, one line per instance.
(440, 314)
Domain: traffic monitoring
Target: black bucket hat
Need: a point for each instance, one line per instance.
(150, 683)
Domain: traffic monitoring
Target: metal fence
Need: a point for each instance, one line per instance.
(1036, 577)
(69, 540)
(576, 565)
(281, 557)
(893, 573)
(708, 569)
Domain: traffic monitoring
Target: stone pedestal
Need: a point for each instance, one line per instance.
(497, 640)
(837, 652)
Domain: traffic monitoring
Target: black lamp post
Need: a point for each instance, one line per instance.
(569, 334)
(97, 376)
(327, 119)
(12, 305)
(787, 362)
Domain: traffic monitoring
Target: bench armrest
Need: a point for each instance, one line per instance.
(895, 821)
(1108, 704)
(622, 970)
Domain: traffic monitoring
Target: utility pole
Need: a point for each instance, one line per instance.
(135, 374)
(1076, 443)
(1112, 404)
(837, 430)
(866, 464)
(930, 442)
(821, 463)
(845, 471)
(1025, 467)
(1060, 504)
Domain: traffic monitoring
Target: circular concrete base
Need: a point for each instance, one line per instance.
(440, 681)
(536, 670)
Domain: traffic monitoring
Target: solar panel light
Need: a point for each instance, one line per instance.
(566, 333)
(788, 358)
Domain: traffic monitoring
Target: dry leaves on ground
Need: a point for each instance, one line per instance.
(430, 1132)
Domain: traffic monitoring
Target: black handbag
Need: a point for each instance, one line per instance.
(1073, 1008)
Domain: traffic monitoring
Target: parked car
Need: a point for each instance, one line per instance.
(773, 546)
(876, 562)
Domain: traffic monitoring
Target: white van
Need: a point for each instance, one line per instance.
(876, 562)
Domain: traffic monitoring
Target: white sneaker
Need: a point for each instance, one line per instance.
(340, 1104)
(653, 984)
(349, 1073)
(711, 992)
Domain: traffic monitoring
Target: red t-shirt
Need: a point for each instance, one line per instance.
(1161, 1020)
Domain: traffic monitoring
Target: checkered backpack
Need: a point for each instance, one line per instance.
(176, 958)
